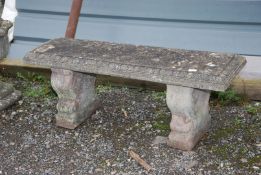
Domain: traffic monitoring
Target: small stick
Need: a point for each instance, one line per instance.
(124, 112)
(136, 157)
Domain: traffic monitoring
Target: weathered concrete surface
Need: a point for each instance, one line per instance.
(190, 115)
(196, 69)
(77, 98)
(4, 43)
(8, 95)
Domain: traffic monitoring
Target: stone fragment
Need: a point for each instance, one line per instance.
(191, 164)
(211, 64)
(159, 140)
(243, 160)
(192, 70)
(256, 168)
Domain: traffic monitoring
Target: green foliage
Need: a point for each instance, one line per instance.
(19, 75)
(103, 88)
(228, 97)
(253, 109)
(235, 150)
(223, 133)
(34, 77)
(254, 160)
(39, 90)
(1, 78)
(158, 96)
(36, 85)
(162, 122)
(161, 125)
(224, 151)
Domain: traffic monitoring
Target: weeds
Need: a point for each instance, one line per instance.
(36, 85)
(162, 122)
(253, 109)
(1, 78)
(34, 77)
(103, 88)
(228, 97)
(158, 96)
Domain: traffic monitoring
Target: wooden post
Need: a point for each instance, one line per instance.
(73, 19)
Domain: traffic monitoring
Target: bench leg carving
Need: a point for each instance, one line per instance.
(77, 98)
(190, 115)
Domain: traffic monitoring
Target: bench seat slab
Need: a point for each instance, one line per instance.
(196, 69)
(190, 115)
(77, 98)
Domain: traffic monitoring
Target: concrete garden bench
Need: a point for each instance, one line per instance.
(189, 76)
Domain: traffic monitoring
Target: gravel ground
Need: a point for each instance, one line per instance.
(30, 143)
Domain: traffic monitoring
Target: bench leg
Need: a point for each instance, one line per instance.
(77, 98)
(190, 115)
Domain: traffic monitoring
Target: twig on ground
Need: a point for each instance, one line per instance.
(142, 162)
(124, 112)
